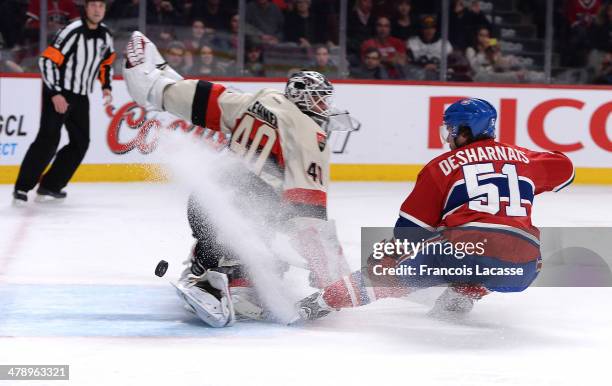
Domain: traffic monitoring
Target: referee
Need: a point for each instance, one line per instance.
(81, 52)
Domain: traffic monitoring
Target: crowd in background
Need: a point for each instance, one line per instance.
(386, 39)
(588, 33)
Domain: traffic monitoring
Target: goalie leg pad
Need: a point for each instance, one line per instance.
(209, 297)
(247, 304)
(317, 242)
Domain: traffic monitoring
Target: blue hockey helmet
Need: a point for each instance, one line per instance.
(476, 114)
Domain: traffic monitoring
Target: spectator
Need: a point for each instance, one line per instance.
(253, 65)
(393, 50)
(536, 10)
(600, 38)
(503, 68)
(458, 25)
(176, 55)
(284, 5)
(404, 24)
(187, 7)
(604, 71)
(300, 25)
(12, 22)
(427, 48)
(323, 62)
(165, 37)
(124, 9)
(207, 63)
(580, 11)
(382, 8)
(59, 14)
(463, 23)
(476, 52)
(214, 15)
(199, 37)
(478, 18)
(371, 67)
(265, 17)
(326, 14)
(426, 7)
(235, 24)
(227, 42)
(458, 68)
(581, 22)
(7, 64)
(360, 26)
(163, 12)
(602, 30)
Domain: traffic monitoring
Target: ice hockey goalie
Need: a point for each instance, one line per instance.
(281, 138)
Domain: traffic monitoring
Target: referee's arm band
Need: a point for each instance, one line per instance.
(104, 72)
(54, 55)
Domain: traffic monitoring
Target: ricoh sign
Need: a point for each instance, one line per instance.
(401, 122)
(594, 124)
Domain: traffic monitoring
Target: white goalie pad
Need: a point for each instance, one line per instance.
(244, 300)
(247, 304)
(317, 242)
(146, 73)
(212, 310)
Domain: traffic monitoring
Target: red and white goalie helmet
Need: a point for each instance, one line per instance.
(312, 93)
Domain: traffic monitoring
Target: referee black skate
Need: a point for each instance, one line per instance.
(81, 52)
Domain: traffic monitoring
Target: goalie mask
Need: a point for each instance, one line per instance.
(312, 94)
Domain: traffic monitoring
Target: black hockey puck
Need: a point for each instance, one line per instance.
(161, 268)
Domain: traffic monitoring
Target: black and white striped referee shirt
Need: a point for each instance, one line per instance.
(77, 56)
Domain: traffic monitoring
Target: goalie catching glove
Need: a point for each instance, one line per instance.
(146, 73)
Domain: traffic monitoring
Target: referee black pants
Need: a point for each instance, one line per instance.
(42, 150)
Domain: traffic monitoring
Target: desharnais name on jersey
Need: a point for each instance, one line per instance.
(485, 191)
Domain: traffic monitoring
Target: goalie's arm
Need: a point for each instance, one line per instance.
(156, 85)
(204, 103)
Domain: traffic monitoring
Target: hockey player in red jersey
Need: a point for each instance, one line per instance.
(479, 191)
(282, 179)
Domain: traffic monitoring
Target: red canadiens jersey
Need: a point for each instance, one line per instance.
(486, 184)
(577, 10)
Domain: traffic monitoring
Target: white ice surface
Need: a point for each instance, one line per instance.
(77, 288)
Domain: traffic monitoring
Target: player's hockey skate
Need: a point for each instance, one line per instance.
(48, 196)
(311, 308)
(457, 301)
(20, 198)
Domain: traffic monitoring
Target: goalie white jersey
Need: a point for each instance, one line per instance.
(279, 143)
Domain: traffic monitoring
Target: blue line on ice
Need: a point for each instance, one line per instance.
(104, 311)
